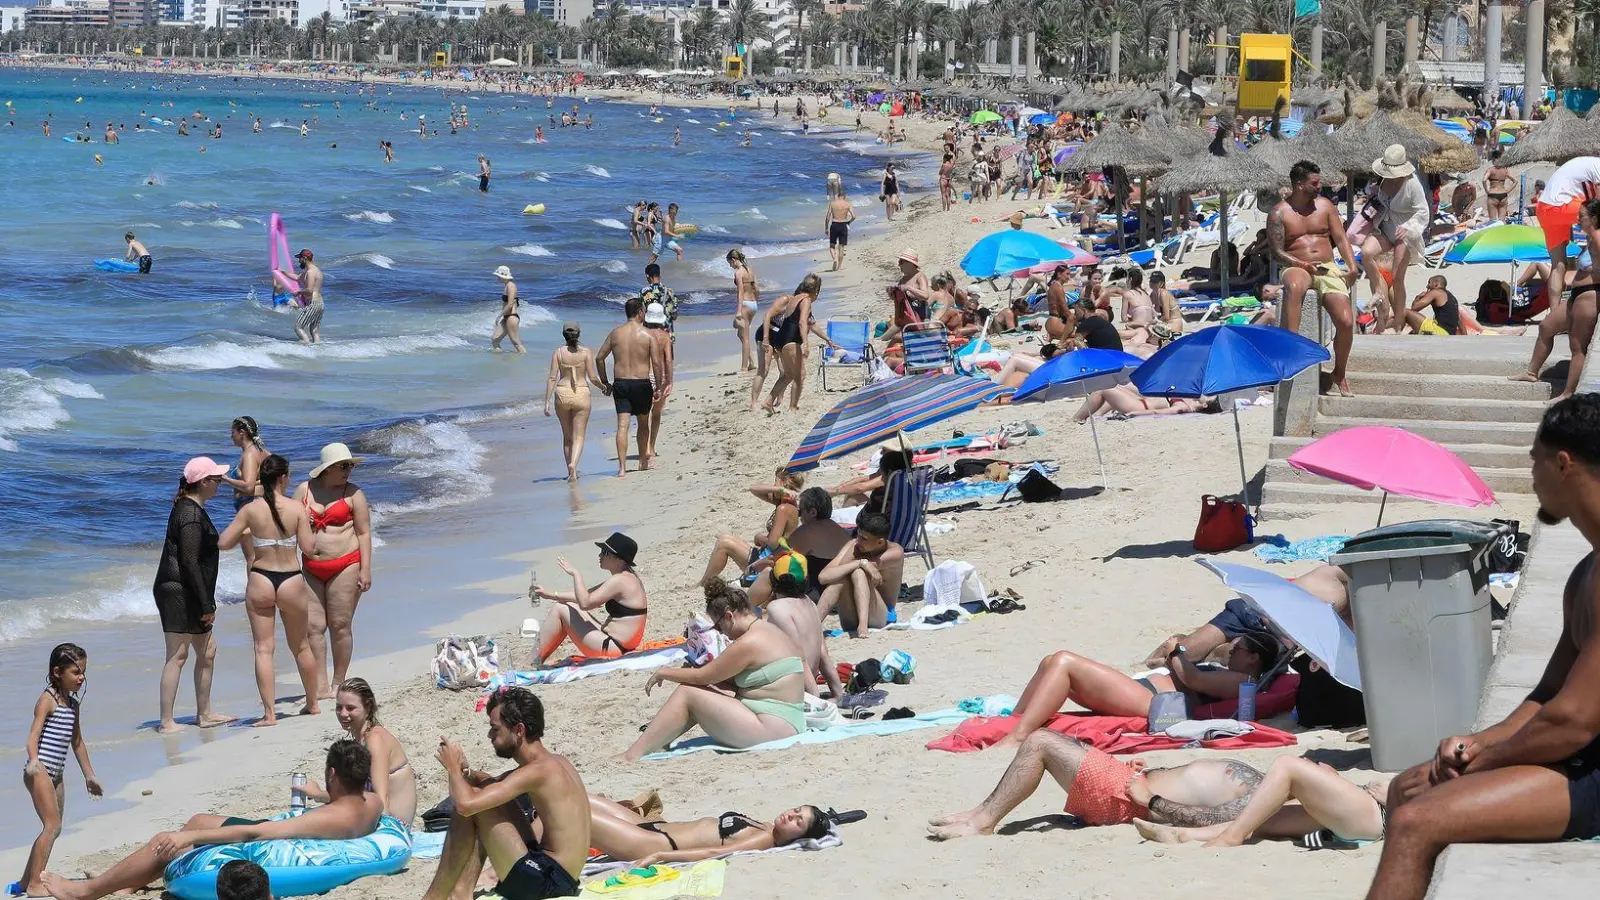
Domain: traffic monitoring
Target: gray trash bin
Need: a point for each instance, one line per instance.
(1419, 592)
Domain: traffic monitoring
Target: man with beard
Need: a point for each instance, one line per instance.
(1536, 775)
(533, 860)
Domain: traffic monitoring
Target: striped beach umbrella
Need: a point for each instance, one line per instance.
(881, 410)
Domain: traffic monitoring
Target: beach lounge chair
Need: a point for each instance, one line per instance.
(853, 334)
(927, 348)
(906, 501)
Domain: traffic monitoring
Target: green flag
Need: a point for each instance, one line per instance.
(1307, 7)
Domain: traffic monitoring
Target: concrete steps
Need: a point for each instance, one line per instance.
(1283, 497)
(1509, 480)
(1513, 434)
(1494, 456)
(1465, 387)
(1444, 409)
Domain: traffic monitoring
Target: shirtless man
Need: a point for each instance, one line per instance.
(533, 860)
(351, 812)
(1536, 775)
(1055, 298)
(483, 173)
(836, 224)
(639, 360)
(1302, 232)
(137, 253)
(863, 581)
(909, 295)
(1497, 189)
(309, 323)
(1103, 790)
(747, 299)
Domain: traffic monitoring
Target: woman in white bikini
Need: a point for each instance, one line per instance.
(748, 294)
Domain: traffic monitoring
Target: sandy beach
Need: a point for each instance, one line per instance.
(1113, 575)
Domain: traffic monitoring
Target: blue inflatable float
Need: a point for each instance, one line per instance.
(296, 868)
(116, 265)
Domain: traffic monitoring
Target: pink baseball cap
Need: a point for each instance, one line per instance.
(202, 467)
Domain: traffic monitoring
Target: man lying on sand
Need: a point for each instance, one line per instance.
(351, 812)
(1102, 790)
(532, 860)
(1327, 583)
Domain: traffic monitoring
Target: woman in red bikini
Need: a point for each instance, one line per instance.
(621, 596)
(339, 570)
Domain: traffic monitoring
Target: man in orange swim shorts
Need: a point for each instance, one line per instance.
(1103, 790)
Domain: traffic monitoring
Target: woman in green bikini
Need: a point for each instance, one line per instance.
(768, 680)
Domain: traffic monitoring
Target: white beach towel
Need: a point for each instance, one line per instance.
(633, 662)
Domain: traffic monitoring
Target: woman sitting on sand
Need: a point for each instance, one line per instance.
(623, 834)
(392, 777)
(1097, 687)
(786, 595)
(622, 595)
(1330, 810)
(766, 668)
(785, 516)
(1124, 401)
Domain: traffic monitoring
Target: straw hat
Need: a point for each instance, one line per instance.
(910, 256)
(1393, 163)
(333, 454)
(503, 273)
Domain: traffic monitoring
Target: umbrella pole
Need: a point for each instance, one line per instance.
(1381, 504)
(1226, 260)
(1244, 480)
(1096, 432)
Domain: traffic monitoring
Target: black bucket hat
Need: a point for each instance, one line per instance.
(621, 546)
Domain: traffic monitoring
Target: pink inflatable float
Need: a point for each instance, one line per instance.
(285, 286)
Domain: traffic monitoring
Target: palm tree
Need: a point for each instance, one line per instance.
(801, 7)
(746, 22)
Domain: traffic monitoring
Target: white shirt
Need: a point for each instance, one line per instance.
(1573, 181)
(1405, 214)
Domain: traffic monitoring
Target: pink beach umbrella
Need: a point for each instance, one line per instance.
(1394, 461)
(1078, 257)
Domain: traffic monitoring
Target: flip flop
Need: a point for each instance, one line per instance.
(1006, 606)
(1023, 567)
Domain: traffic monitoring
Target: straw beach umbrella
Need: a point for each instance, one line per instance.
(1115, 147)
(1558, 138)
(1224, 170)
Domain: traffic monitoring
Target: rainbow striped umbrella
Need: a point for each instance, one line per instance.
(881, 410)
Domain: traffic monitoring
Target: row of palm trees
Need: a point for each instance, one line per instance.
(1072, 37)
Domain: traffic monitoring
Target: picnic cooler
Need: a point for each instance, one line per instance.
(1419, 593)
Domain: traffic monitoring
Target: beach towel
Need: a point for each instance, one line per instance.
(427, 844)
(575, 669)
(704, 879)
(1275, 548)
(599, 864)
(1112, 734)
(837, 733)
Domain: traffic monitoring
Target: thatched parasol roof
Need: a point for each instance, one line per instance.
(1323, 148)
(1274, 149)
(1172, 141)
(1114, 146)
(1558, 138)
(1449, 99)
(1219, 168)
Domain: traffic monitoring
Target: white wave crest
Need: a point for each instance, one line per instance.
(610, 223)
(530, 250)
(614, 266)
(218, 355)
(29, 403)
(439, 455)
(597, 170)
(367, 215)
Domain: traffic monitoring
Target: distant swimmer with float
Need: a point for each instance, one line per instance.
(138, 254)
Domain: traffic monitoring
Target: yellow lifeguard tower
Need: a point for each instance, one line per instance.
(735, 66)
(1265, 65)
(440, 60)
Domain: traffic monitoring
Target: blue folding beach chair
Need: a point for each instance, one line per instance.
(852, 334)
(906, 495)
(927, 348)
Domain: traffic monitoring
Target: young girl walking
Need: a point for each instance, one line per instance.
(55, 730)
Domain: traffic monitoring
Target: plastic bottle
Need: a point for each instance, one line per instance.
(1247, 701)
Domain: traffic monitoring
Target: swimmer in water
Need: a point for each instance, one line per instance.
(483, 173)
(746, 141)
(305, 128)
(137, 253)
(677, 137)
(538, 133)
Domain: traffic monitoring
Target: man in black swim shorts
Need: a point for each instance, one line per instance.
(533, 860)
(483, 173)
(642, 378)
(137, 253)
(1536, 775)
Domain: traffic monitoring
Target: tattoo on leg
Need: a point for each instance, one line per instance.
(1186, 816)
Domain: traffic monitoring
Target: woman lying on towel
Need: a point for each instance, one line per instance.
(1329, 811)
(1097, 687)
(621, 594)
(623, 834)
(766, 667)
(1125, 401)
(785, 516)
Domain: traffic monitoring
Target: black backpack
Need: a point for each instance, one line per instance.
(1321, 702)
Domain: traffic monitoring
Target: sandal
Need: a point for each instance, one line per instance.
(1006, 606)
(1023, 567)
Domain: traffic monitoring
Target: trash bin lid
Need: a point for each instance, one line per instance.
(1424, 533)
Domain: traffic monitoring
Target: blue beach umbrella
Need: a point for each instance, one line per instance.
(1007, 251)
(1217, 361)
(1066, 151)
(882, 410)
(1041, 118)
(1075, 375)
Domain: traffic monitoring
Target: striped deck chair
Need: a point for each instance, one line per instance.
(927, 348)
(906, 501)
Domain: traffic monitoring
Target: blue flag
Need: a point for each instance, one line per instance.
(1307, 7)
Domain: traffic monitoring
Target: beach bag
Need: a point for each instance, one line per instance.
(1224, 525)
(879, 371)
(1322, 702)
(702, 642)
(1364, 222)
(460, 663)
(952, 583)
(1035, 487)
(1167, 709)
(1508, 551)
(820, 714)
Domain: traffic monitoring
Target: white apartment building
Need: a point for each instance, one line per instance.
(465, 10)
(566, 12)
(12, 18)
(337, 10)
(285, 11)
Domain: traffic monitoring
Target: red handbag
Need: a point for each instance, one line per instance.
(1224, 525)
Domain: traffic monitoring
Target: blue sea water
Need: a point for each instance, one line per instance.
(110, 381)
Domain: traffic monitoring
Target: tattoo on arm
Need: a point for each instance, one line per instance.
(1277, 241)
(1186, 816)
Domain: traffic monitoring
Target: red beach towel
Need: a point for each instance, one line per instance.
(1113, 734)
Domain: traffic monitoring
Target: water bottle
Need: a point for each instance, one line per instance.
(1247, 701)
(297, 793)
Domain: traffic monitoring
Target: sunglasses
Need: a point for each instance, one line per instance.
(346, 466)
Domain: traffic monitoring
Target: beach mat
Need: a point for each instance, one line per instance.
(576, 669)
(826, 736)
(704, 879)
(1113, 734)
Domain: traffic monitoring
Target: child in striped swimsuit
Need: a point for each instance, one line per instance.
(55, 730)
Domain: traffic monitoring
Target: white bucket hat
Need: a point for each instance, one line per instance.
(1393, 163)
(503, 273)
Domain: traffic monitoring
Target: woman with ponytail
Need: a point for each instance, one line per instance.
(279, 530)
(571, 372)
(245, 476)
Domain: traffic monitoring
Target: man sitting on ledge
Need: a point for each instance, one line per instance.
(1536, 775)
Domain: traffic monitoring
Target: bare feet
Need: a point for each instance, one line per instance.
(964, 828)
(215, 719)
(62, 888)
(1343, 385)
(1161, 834)
(169, 728)
(953, 818)
(265, 722)
(1007, 742)
(311, 709)
(1525, 376)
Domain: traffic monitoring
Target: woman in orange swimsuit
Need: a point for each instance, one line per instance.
(339, 569)
(622, 595)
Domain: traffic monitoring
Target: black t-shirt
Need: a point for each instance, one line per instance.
(1099, 334)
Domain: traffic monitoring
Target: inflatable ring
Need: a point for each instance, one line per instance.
(295, 868)
(684, 229)
(533, 209)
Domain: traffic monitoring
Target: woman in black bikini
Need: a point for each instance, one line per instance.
(623, 834)
(890, 190)
(783, 337)
(621, 593)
